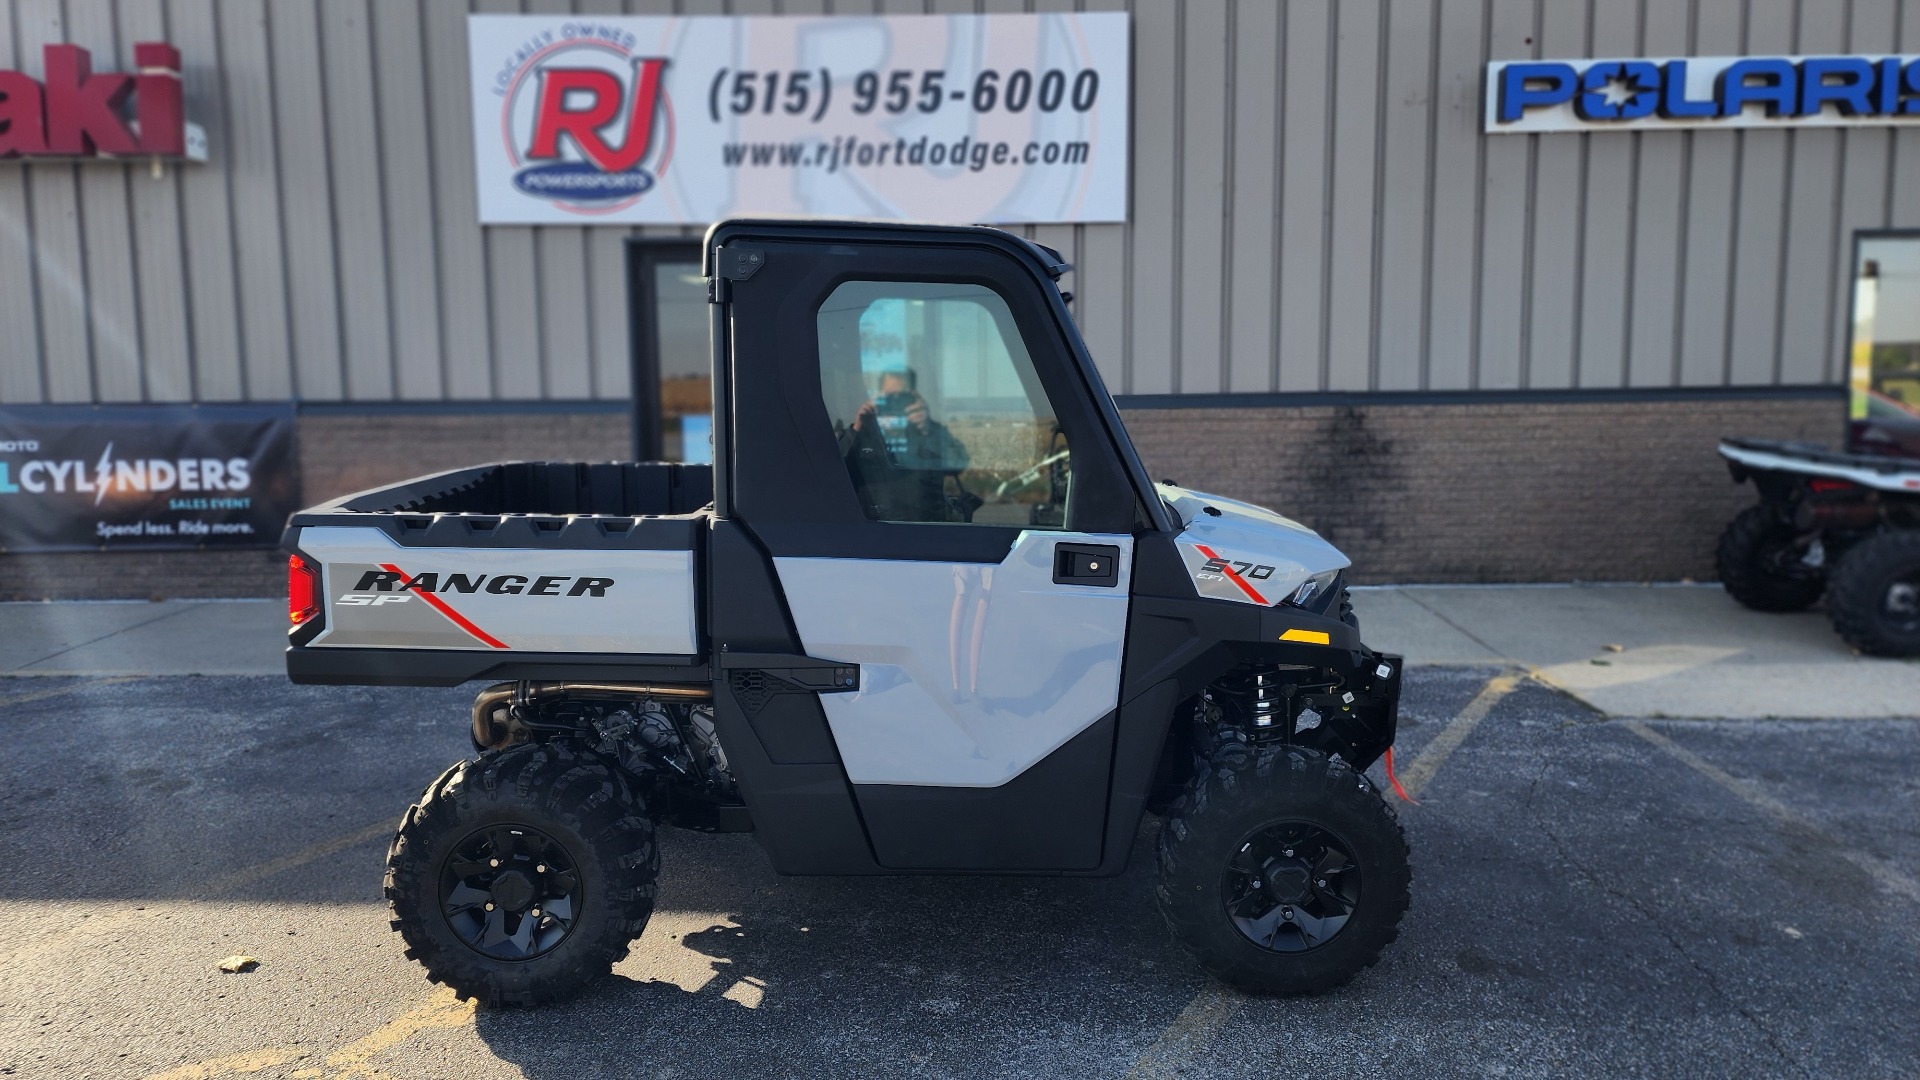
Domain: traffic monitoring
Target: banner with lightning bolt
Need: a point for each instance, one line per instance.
(84, 478)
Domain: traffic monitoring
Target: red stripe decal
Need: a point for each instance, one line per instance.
(1232, 575)
(440, 605)
(1395, 781)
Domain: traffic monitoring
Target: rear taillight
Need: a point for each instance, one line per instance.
(300, 603)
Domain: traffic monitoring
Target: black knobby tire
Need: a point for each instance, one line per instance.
(581, 811)
(1244, 790)
(1872, 599)
(1751, 557)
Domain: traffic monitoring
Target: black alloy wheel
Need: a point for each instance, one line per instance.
(1282, 870)
(1291, 886)
(510, 892)
(521, 876)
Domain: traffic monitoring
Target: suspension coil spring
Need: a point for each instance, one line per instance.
(1262, 695)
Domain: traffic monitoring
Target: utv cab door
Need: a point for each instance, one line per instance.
(920, 454)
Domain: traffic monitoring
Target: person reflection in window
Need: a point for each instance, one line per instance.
(901, 457)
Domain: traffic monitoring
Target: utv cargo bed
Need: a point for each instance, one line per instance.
(511, 570)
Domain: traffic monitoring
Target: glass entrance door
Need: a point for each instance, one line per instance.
(1885, 353)
(672, 375)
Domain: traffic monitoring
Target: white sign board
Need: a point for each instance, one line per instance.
(943, 118)
(1702, 92)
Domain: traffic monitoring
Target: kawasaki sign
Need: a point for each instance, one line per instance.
(1702, 92)
(77, 113)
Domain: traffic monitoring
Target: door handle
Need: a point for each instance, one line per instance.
(1097, 565)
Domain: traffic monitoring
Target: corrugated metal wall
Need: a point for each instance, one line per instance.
(1314, 208)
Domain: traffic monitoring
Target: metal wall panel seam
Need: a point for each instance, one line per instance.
(262, 293)
(58, 242)
(1683, 241)
(349, 81)
(1352, 197)
(1304, 199)
(1176, 285)
(1329, 152)
(1577, 335)
(1276, 243)
(460, 246)
(1479, 213)
(106, 230)
(1379, 194)
(1766, 188)
(1504, 200)
(1230, 143)
(1426, 222)
(20, 294)
(1204, 190)
(161, 275)
(1406, 164)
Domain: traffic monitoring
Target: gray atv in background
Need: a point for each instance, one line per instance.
(1842, 525)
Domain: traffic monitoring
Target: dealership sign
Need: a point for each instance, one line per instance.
(75, 478)
(1702, 92)
(959, 118)
(78, 113)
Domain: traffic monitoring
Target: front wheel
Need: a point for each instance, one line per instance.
(1875, 600)
(1282, 870)
(521, 876)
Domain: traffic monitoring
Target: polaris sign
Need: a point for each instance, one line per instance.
(1702, 92)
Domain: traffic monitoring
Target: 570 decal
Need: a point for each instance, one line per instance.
(1248, 570)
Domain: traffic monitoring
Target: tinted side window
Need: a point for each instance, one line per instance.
(936, 408)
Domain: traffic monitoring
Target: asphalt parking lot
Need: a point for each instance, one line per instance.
(1591, 896)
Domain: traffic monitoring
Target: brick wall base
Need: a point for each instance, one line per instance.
(1576, 491)
(1589, 490)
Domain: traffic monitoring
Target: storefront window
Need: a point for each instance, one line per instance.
(1885, 355)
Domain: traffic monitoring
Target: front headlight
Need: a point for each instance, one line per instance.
(1312, 590)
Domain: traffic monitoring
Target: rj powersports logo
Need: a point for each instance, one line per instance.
(588, 125)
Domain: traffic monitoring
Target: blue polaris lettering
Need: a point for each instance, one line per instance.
(1853, 96)
(1887, 87)
(1779, 94)
(1674, 103)
(1911, 79)
(1517, 96)
(1642, 77)
(581, 181)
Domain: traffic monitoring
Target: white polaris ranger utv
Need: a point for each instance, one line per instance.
(926, 614)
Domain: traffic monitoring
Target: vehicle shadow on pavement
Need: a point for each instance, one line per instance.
(743, 972)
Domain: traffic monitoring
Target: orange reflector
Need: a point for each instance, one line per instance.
(1311, 637)
(300, 603)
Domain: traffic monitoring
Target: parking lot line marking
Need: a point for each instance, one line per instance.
(1172, 1054)
(442, 1010)
(81, 684)
(1421, 769)
(1889, 878)
(252, 1061)
(261, 871)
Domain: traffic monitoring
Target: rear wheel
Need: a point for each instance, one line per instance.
(1282, 870)
(1875, 599)
(521, 876)
(1762, 565)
